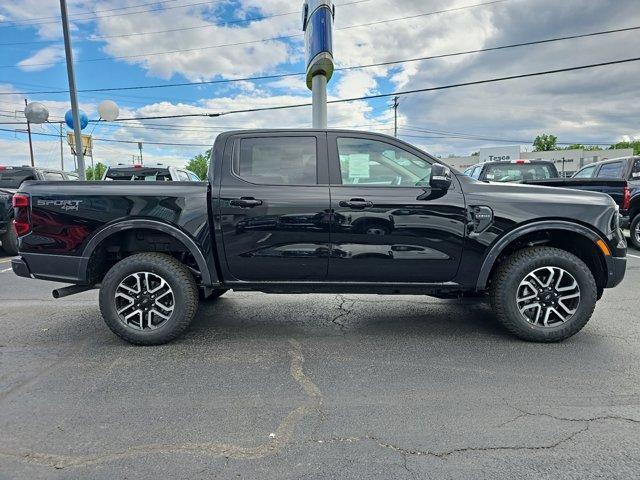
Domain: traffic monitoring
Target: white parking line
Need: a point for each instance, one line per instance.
(6, 270)
(634, 256)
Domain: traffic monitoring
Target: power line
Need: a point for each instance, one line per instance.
(352, 67)
(113, 140)
(94, 16)
(491, 139)
(195, 27)
(184, 50)
(390, 94)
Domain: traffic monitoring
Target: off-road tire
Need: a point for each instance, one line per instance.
(10, 241)
(178, 277)
(507, 278)
(634, 230)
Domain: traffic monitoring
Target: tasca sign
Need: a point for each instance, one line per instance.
(496, 154)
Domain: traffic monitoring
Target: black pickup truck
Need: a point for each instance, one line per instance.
(10, 180)
(322, 211)
(619, 178)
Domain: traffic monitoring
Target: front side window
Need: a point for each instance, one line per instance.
(611, 170)
(372, 162)
(193, 177)
(476, 172)
(586, 172)
(277, 160)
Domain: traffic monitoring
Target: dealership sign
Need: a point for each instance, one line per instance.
(317, 23)
(497, 154)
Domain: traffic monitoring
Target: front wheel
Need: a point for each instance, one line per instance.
(9, 241)
(148, 298)
(543, 294)
(635, 231)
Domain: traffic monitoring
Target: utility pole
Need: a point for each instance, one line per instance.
(29, 132)
(72, 89)
(140, 148)
(61, 150)
(395, 115)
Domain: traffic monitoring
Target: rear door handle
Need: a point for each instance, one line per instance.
(245, 202)
(356, 203)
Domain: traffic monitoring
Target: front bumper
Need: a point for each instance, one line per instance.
(616, 268)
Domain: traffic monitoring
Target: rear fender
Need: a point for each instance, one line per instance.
(209, 275)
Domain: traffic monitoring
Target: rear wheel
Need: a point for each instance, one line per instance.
(543, 294)
(9, 241)
(148, 298)
(635, 231)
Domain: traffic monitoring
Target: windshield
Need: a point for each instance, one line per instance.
(518, 172)
(139, 174)
(13, 177)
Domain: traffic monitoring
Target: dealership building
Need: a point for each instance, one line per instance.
(567, 161)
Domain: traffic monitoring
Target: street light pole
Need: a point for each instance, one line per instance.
(395, 115)
(29, 132)
(61, 150)
(72, 89)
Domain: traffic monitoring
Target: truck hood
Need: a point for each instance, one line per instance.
(539, 193)
(517, 203)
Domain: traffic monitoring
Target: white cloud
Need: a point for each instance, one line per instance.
(40, 60)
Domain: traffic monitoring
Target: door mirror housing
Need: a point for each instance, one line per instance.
(440, 177)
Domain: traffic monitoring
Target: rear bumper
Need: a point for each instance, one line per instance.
(20, 267)
(625, 222)
(57, 268)
(616, 268)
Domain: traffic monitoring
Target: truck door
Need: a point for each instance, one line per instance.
(386, 227)
(274, 207)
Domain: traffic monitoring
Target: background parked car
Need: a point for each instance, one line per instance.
(513, 171)
(150, 173)
(10, 180)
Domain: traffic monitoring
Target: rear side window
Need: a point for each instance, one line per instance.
(53, 176)
(635, 171)
(182, 176)
(611, 170)
(586, 172)
(277, 160)
(193, 177)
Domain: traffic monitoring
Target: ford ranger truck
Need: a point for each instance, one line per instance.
(321, 211)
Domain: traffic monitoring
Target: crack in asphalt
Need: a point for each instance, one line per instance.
(282, 435)
(344, 311)
(404, 451)
(523, 413)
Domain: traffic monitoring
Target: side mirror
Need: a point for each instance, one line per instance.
(440, 177)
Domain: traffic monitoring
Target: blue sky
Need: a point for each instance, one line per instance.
(588, 106)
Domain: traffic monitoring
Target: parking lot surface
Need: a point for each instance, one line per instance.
(316, 386)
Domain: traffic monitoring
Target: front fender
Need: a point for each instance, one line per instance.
(504, 241)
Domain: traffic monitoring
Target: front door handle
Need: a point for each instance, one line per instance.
(245, 202)
(356, 203)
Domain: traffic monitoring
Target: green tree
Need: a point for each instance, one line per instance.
(545, 143)
(200, 164)
(635, 144)
(96, 172)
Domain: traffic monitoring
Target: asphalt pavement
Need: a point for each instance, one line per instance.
(316, 386)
